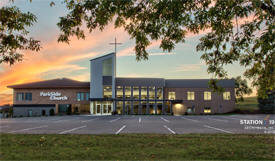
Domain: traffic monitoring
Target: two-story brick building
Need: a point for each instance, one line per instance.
(106, 94)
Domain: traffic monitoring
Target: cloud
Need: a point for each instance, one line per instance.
(4, 3)
(56, 59)
(6, 99)
(190, 67)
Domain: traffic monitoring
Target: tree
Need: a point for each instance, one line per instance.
(251, 44)
(241, 88)
(14, 36)
(267, 105)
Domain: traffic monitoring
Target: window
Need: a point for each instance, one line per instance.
(226, 96)
(151, 93)
(87, 96)
(171, 95)
(107, 91)
(207, 95)
(143, 91)
(28, 96)
(19, 96)
(159, 93)
(190, 95)
(127, 91)
(107, 67)
(119, 92)
(78, 96)
(81, 96)
(136, 92)
(207, 110)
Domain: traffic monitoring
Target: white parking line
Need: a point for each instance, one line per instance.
(217, 119)
(39, 127)
(89, 120)
(139, 120)
(164, 119)
(173, 132)
(229, 117)
(120, 129)
(115, 120)
(59, 121)
(63, 132)
(3, 126)
(190, 119)
(219, 129)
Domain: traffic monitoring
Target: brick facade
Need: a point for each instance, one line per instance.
(217, 103)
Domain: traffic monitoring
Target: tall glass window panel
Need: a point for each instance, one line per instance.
(159, 108)
(78, 96)
(19, 96)
(87, 96)
(28, 96)
(136, 107)
(127, 92)
(143, 107)
(159, 93)
(107, 67)
(119, 92)
(82, 95)
(171, 95)
(127, 107)
(190, 95)
(136, 92)
(207, 96)
(144, 93)
(226, 96)
(119, 106)
(107, 92)
(152, 93)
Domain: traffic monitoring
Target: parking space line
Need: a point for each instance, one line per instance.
(3, 126)
(217, 119)
(115, 120)
(59, 121)
(139, 120)
(229, 117)
(173, 132)
(89, 120)
(219, 129)
(39, 127)
(63, 132)
(190, 119)
(120, 129)
(164, 119)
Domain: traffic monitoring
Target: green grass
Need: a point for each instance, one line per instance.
(137, 147)
(249, 104)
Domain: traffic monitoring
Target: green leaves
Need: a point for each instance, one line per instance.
(13, 34)
(241, 30)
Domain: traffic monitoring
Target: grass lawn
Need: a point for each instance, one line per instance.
(137, 147)
(250, 104)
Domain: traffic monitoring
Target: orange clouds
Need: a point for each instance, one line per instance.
(57, 58)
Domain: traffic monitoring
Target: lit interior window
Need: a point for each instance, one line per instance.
(207, 95)
(207, 110)
(190, 95)
(107, 92)
(226, 96)
(171, 95)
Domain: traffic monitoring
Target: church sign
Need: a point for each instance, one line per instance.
(55, 96)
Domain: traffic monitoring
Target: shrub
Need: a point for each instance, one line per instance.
(51, 112)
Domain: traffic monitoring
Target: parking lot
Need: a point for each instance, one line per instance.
(85, 124)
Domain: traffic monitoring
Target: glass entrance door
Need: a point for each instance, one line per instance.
(103, 108)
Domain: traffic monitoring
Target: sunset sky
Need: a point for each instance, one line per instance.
(58, 60)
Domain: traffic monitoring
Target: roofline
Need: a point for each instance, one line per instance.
(60, 87)
(102, 56)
